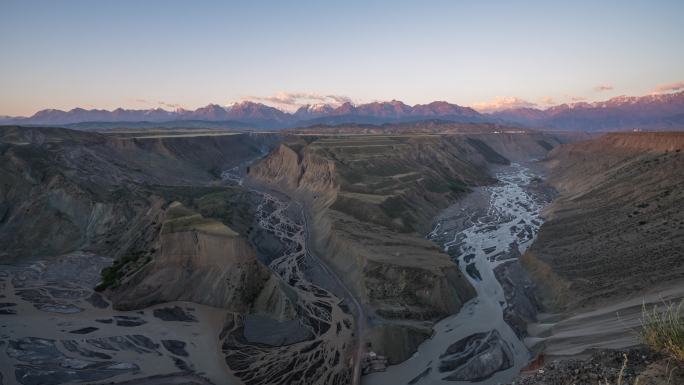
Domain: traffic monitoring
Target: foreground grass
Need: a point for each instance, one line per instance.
(663, 329)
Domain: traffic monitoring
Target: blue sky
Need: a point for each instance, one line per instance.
(142, 54)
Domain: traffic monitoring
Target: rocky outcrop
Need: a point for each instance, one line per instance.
(306, 175)
(281, 168)
(619, 215)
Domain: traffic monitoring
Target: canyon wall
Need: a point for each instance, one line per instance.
(618, 227)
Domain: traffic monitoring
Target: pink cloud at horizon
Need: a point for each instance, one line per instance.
(548, 100)
(503, 103)
(668, 87)
(292, 100)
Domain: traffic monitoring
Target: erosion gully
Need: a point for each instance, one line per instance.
(489, 228)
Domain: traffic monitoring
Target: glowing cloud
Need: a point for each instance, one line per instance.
(294, 100)
(549, 101)
(503, 103)
(669, 87)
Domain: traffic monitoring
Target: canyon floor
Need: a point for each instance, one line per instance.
(56, 329)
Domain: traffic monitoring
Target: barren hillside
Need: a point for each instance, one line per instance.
(618, 227)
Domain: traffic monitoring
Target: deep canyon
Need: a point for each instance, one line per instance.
(406, 254)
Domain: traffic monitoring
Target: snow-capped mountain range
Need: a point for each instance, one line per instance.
(664, 111)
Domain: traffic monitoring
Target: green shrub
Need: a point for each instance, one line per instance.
(112, 275)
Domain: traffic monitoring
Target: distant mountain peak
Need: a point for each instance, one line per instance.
(310, 111)
(658, 111)
(620, 112)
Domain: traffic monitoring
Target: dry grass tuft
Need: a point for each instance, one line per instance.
(663, 329)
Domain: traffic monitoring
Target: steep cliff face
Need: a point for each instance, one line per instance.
(619, 215)
(203, 261)
(305, 174)
(281, 168)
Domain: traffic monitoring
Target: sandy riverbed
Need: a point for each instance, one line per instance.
(55, 329)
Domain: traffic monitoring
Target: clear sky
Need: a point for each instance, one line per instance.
(143, 54)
